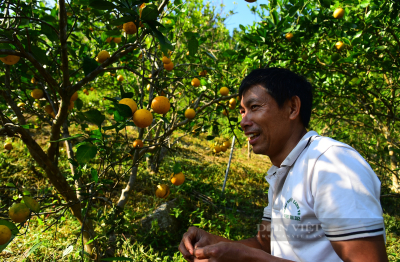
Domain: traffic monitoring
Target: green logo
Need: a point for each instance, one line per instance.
(287, 216)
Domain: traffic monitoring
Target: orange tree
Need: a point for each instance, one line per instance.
(349, 51)
(144, 57)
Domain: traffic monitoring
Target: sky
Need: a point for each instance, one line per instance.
(242, 12)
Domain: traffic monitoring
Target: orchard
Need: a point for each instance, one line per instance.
(110, 109)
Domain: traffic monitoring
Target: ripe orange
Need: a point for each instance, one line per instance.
(169, 66)
(109, 39)
(339, 45)
(162, 191)
(74, 96)
(71, 105)
(187, 53)
(339, 13)
(160, 105)
(103, 56)
(8, 146)
(224, 91)
(31, 203)
(37, 93)
(129, 28)
(5, 234)
(91, 89)
(117, 40)
(148, 87)
(166, 60)
(48, 109)
(223, 148)
(129, 102)
(225, 113)
(289, 36)
(177, 179)
(137, 143)
(217, 149)
(120, 78)
(10, 59)
(142, 118)
(226, 143)
(232, 106)
(195, 82)
(19, 212)
(33, 80)
(190, 113)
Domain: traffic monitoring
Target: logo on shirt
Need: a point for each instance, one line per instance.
(292, 217)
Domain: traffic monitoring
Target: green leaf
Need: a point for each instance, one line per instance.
(89, 64)
(118, 118)
(49, 32)
(177, 168)
(95, 116)
(78, 104)
(193, 46)
(116, 259)
(14, 232)
(31, 203)
(123, 110)
(210, 137)
(33, 248)
(68, 138)
(102, 5)
(39, 54)
(122, 20)
(95, 176)
(10, 185)
(164, 42)
(85, 153)
(150, 12)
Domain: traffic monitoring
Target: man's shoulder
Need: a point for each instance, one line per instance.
(322, 143)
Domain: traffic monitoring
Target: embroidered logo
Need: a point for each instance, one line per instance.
(292, 217)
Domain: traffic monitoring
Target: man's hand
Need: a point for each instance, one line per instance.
(222, 252)
(196, 238)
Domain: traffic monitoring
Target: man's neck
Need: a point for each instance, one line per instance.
(288, 147)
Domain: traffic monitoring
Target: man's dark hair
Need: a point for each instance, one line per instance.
(282, 84)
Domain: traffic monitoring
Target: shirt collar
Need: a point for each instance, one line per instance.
(296, 151)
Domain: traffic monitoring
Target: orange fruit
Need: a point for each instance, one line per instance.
(129, 102)
(169, 66)
(71, 105)
(225, 113)
(162, 191)
(148, 87)
(74, 96)
(10, 59)
(69, 14)
(33, 80)
(109, 39)
(142, 118)
(187, 53)
(203, 73)
(103, 56)
(48, 109)
(223, 148)
(8, 146)
(289, 36)
(226, 143)
(120, 78)
(195, 82)
(224, 91)
(177, 179)
(160, 105)
(117, 40)
(339, 45)
(19, 212)
(232, 106)
(217, 149)
(137, 143)
(5, 234)
(130, 28)
(91, 89)
(37, 93)
(339, 13)
(166, 60)
(190, 113)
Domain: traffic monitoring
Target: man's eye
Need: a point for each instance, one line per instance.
(254, 106)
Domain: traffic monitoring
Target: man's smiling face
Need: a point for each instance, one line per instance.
(265, 124)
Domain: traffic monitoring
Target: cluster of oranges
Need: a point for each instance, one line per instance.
(163, 189)
(221, 148)
(168, 64)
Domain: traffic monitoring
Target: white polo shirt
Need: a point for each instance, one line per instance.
(330, 194)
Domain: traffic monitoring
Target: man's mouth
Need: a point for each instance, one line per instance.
(252, 136)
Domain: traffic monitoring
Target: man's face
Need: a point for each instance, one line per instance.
(265, 124)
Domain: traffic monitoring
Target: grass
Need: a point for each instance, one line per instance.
(233, 214)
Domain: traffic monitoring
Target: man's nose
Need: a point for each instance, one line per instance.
(246, 121)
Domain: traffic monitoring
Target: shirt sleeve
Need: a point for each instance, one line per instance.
(267, 213)
(346, 195)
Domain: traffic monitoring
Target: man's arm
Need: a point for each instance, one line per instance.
(361, 249)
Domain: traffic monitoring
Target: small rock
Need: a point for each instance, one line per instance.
(162, 214)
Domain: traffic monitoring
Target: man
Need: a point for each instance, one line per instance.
(323, 196)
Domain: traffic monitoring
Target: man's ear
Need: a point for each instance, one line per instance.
(294, 106)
